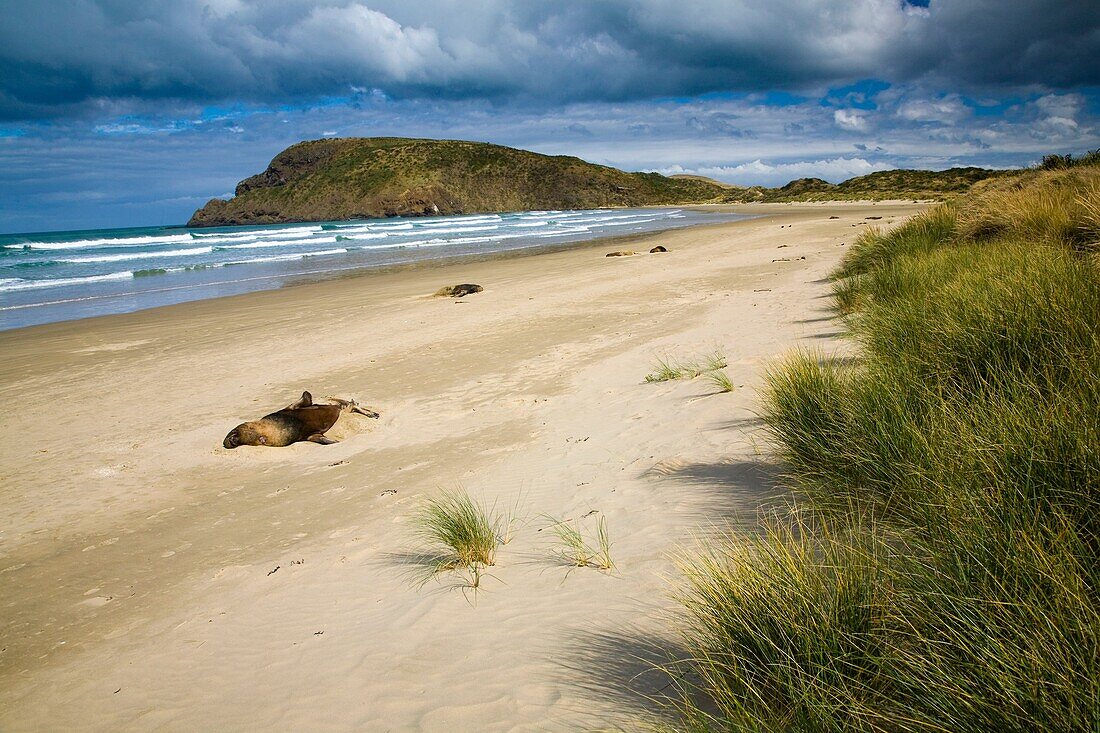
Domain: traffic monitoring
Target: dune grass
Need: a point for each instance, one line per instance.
(942, 571)
(666, 369)
(1050, 207)
(460, 532)
(575, 550)
(720, 379)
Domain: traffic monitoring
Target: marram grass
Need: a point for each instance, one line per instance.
(942, 572)
(574, 549)
(463, 532)
(666, 369)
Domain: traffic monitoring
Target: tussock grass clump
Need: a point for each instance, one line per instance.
(786, 632)
(665, 369)
(813, 626)
(943, 571)
(874, 250)
(465, 533)
(1048, 207)
(720, 379)
(922, 233)
(573, 549)
(576, 551)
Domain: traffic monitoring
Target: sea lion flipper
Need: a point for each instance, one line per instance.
(305, 401)
(352, 406)
(320, 439)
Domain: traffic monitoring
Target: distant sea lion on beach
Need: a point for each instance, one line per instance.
(659, 248)
(457, 291)
(300, 420)
(623, 253)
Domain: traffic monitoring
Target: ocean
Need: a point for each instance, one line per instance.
(59, 276)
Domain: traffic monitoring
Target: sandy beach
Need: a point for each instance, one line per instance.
(155, 580)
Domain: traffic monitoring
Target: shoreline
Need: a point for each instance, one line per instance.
(150, 568)
(280, 280)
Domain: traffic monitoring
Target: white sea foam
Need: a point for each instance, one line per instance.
(287, 257)
(390, 227)
(63, 281)
(291, 232)
(363, 236)
(461, 222)
(279, 243)
(86, 243)
(458, 230)
(140, 255)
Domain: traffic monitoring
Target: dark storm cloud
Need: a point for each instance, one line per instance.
(67, 57)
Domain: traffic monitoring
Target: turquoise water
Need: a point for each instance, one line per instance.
(61, 276)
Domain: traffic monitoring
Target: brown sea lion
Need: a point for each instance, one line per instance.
(623, 253)
(458, 291)
(300, 420)
(659, 248)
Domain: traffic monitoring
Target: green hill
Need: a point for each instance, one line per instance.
(353, 178)
(895, 184)
(361, 178)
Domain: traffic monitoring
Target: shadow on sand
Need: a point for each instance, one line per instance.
(726, 494)
(644, 676)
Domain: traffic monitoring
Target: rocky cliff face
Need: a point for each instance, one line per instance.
(352, 178)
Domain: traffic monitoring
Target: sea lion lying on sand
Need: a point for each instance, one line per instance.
(301, 420)
(458, 291)
(624, 253)
(657, 249)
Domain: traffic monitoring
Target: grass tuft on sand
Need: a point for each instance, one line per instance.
(720, 379)
(575, 550)
(666, 369)
(942, 569)
(464, 533)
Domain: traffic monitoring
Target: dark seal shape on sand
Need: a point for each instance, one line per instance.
(457, 291)
(301, 420)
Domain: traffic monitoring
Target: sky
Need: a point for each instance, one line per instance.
(136, 112)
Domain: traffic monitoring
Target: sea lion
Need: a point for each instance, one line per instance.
(300, 420)
(458, 291)
(623, 253)
(659, 248)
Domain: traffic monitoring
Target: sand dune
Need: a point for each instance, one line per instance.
(154, 580)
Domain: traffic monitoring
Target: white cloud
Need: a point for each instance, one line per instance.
(850, 119)
(947, 110)
(757, 172)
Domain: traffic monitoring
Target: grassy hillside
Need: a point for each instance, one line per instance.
(352, 178)
(942, 569)
(881, 185)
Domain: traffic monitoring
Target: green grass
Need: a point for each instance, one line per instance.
(721, 380)
(575, 550)
(1044, 207)
(341, 178)
(665, 369)
(942, 571)
(462, 533)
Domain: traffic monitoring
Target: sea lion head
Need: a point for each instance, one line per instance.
(244, 434)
